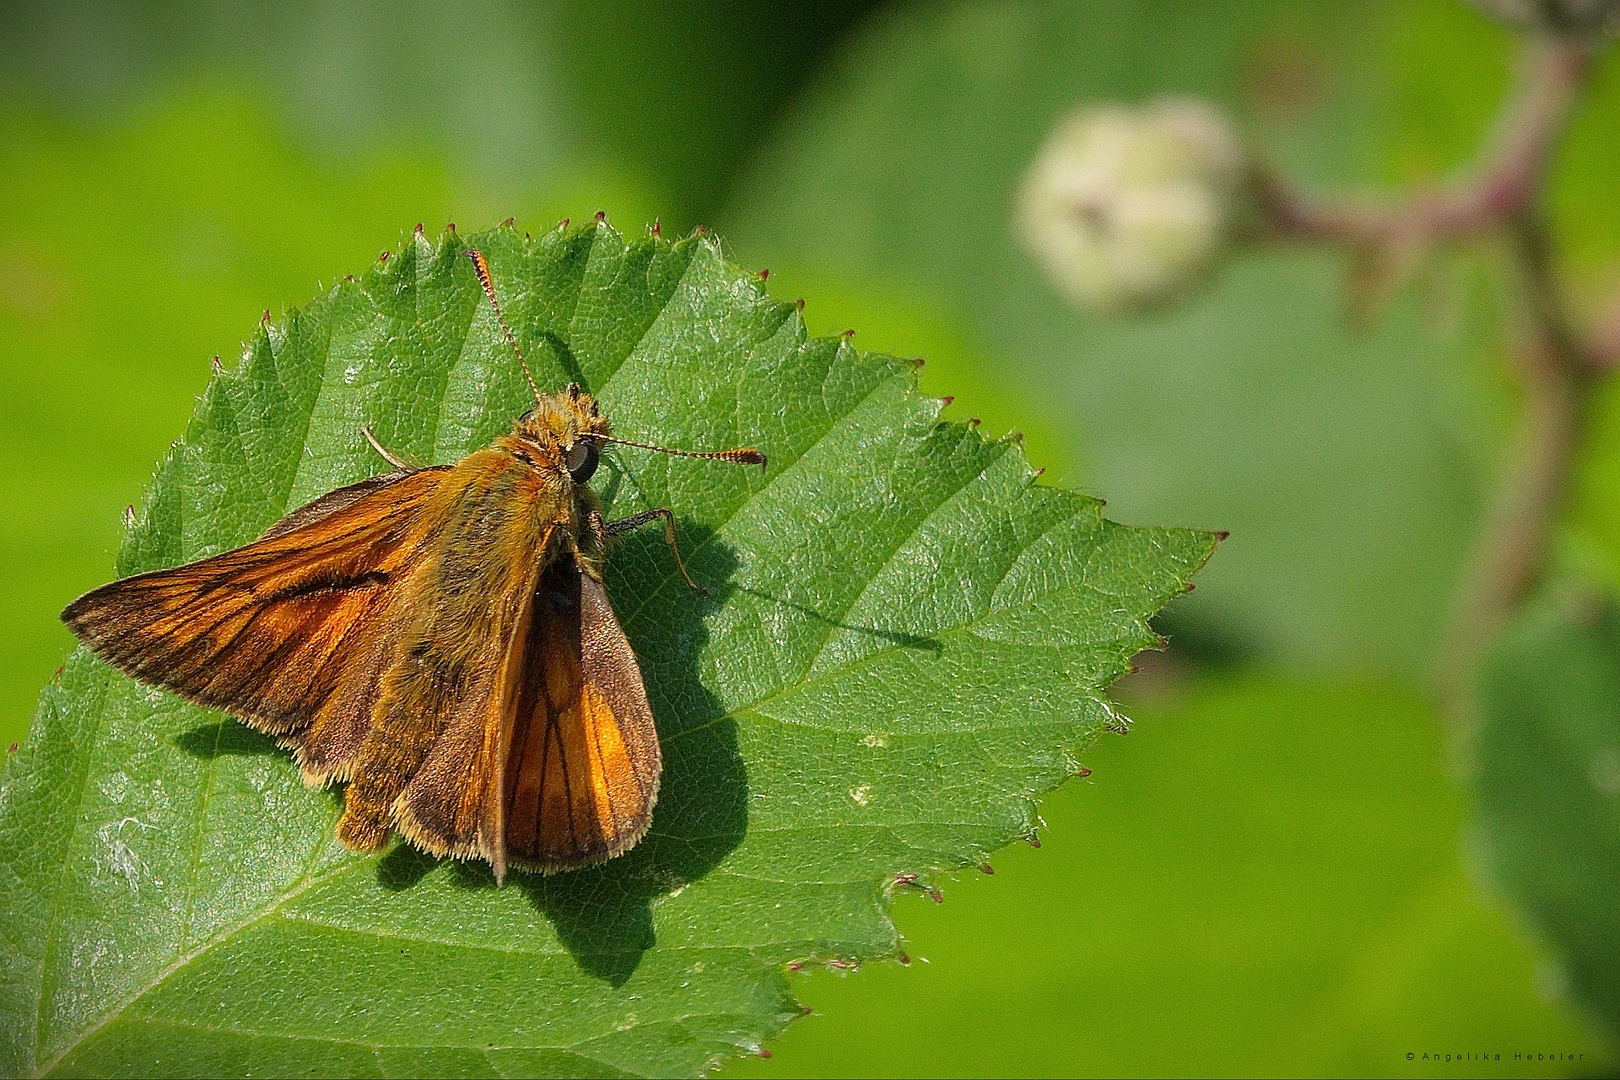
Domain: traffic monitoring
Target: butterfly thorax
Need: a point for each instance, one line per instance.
(555, 441)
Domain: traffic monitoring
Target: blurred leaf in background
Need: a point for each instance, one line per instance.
(1547, 777)
(514, 97)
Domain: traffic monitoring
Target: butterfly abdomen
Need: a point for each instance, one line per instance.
(468, 599)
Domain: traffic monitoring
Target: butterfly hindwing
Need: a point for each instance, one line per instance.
(583, 762)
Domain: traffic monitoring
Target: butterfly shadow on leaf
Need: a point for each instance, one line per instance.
(225, 738)
(603, 914)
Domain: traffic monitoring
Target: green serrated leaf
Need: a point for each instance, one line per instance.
(907, 641)
(1547, 777)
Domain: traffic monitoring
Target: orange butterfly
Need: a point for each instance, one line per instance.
(439, 638)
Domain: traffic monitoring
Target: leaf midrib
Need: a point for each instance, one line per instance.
(303, 885)
(485, 1049)
(273, 910)
(56, 894)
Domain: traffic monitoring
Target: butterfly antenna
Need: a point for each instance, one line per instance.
(482, 268)
(743, 456)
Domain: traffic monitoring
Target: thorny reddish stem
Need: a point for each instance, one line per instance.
(1603, 344)
(1521, 523)
(1505, 183)
(1556, 365)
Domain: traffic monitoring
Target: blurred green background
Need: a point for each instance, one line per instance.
(1283, 869)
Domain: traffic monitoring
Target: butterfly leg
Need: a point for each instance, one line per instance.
(636, 521)
(393, 459)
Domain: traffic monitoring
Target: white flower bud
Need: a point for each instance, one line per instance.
(1128, 205)
(1561, 16)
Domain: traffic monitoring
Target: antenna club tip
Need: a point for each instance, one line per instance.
(745, 456)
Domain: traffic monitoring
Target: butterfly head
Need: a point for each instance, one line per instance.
(566, 428)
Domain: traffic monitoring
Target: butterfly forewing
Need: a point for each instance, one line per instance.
(287, 633)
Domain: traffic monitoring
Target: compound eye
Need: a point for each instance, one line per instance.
(582, 460)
